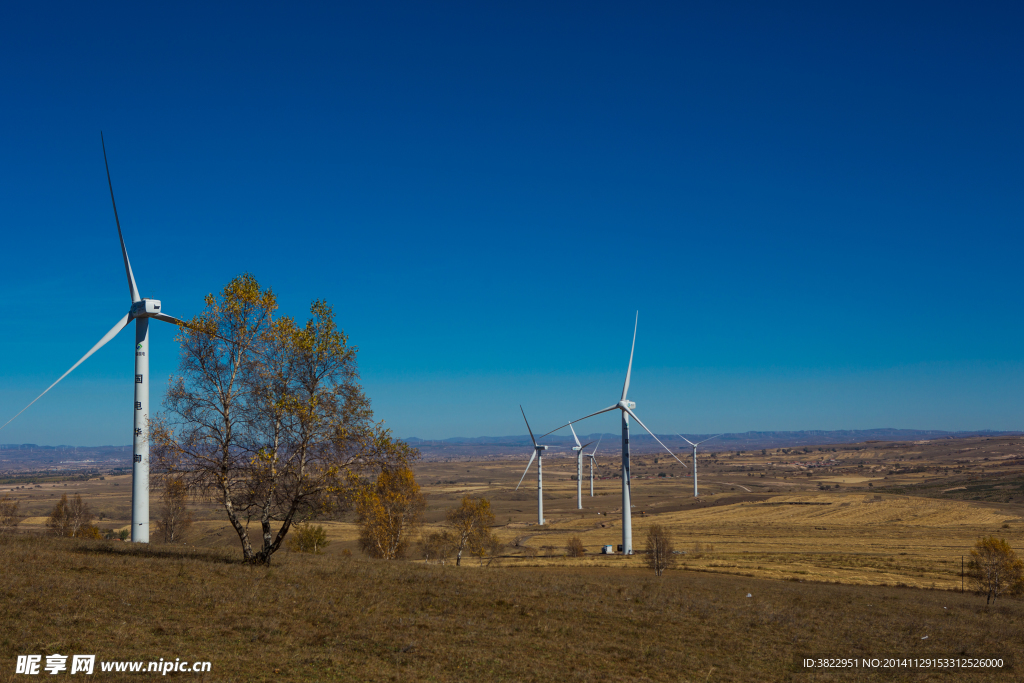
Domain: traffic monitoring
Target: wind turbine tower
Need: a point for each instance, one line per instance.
(695, 457)
(579, 469)
(141, 311)
(538, 452)
(626, 407)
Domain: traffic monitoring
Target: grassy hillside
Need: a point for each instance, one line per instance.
(337, 618)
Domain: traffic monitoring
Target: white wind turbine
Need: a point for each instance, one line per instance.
(592, 458)
(626, 407)
(695, 457)
(141, 311)
(538, 451)
(579, 469)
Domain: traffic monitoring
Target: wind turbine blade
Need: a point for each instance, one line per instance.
(597, 446)
(687, 440)
(709, 439)
(667, 450)
(107, 337)
(132, 288)
(170, 319)
(629, 370)
(175, 321)
(529, 430)
(584, 446)
(532, 458)
(576, 438)
(614, 407)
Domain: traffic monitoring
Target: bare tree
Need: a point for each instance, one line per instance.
(470, 525)
(267, 417)
(658, 546)
(70, 517)
(995, 568)
(388, 510)
(175, 519)
(9, 517)
(574, 548)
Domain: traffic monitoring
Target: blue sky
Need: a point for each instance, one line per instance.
(816, 210)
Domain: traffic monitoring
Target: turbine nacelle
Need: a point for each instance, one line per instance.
(147, 308)
(628, 405)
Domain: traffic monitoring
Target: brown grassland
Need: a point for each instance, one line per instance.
(859, 570)
(319, 618)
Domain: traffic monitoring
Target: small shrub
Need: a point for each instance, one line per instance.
(575, 548)
(307, 538)
(491, 549)
(438, 546)
(9, 516)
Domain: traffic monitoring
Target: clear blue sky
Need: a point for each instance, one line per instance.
(817, 210)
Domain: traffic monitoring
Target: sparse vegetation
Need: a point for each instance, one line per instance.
(658, 549)
(368, 620)
(308, 538)
(574, 548)
(174, 519)
(388, 510)
(9, 516)
(438, 546)
(71, 517)
(995, 568)
(469, 526)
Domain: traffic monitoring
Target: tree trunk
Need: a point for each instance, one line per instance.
(243, 535)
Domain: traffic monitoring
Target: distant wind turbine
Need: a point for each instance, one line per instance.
(592, 458)
(579, 468)
(538, 452)
(626, 407)
(141, 311)
(695, 457)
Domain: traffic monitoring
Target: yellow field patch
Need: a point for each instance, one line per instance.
(854, 509)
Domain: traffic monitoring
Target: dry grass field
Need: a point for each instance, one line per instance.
(758, 515)
(821, 564)
(327, 618)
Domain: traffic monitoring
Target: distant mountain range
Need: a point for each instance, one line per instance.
(22, 457)
(463, 447)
